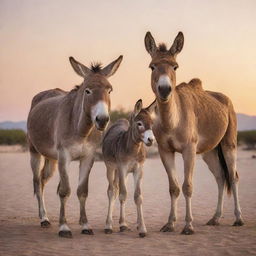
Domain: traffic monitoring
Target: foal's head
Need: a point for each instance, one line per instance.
(96, 90)
(163, 65)
(141, 123)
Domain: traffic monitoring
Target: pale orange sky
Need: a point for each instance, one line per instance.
(37, 37)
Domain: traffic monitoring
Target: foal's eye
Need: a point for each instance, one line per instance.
(88, 91)
(139, 124)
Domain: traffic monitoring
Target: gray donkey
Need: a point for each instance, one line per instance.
(123, 152)
(67, 126)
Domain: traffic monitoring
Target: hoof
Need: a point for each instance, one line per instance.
(213, 222)
(188, 231)
(167, 228)
(124, 228)
(108, 231)
(66, 234)
(142, 235)
(45, 224)
(87, 232)
(238, 223)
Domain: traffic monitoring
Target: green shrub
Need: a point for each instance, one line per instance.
(119, 113)
(248, 138)
(12, 137)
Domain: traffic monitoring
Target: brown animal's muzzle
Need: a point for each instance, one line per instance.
(164, 91)
(101, 122)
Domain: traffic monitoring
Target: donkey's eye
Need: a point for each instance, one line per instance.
(139, 124)
(88, 91)
(109, 91)
(175, 68)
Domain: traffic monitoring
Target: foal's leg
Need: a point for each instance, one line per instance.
(46, 174)
(112, 194)
(212, 160)
(189, 155)
(230, 158)
(122, 198)
(64, 192)
(82, 191)
(169, 164)
(138, 201)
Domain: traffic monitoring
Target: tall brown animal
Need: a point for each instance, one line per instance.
(123, 152)
(192, 121)
(67, 126)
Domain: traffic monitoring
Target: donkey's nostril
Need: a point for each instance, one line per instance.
(101, 121)
(164, 91)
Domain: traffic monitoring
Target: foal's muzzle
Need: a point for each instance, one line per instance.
(101, 122)
(164, 91)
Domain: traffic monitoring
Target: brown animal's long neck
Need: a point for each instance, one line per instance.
(169, 112)
(82, 121)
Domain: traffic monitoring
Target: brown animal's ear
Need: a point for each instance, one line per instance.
(137, 107)
(177, 44)
(150, 44)
(111, 68)
(152, 107)
(79, 68)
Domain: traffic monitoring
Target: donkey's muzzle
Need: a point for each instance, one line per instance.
(101, 122)
(164, 91)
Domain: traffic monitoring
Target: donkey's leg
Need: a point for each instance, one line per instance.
(112, 195)
(230, 158)
(212, 160)
(122, 198)
(138, 201)
(46, 174)
(169, 164)
(64, 192)
(35, 162)
(189, 155)
(82, 191)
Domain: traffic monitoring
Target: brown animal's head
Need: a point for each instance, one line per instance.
(96, 90)
(141, 123)
(163, 65)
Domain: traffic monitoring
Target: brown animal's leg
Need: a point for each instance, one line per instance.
(229, 153)
(168, 159)
(113, 188)
(122, 197)
(189, 155)
(212, 160)
(64, 193)
(82, 191)
(138, 201)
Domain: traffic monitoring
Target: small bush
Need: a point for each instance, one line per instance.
(12, 137)
(119, 113)
(248, 138)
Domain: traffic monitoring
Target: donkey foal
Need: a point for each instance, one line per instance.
(124, 152)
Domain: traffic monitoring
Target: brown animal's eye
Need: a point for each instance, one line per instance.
(139, 124)
(175, 67)
(110, 90)
(152, 67)
(88, 91)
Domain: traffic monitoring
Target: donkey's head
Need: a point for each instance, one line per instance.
(163, 65)
(141, 123)
(96, 90)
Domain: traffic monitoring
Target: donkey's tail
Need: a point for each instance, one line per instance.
(224, 168)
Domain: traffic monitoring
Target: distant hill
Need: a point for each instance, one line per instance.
(245, 122)
(14, 125)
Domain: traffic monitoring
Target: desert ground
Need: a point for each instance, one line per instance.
(21, 234)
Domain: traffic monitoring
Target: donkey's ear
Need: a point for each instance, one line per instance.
(137, 107)
(177, 44)
(111, 68)
(150, 44)
(79, 68)
(152, 107)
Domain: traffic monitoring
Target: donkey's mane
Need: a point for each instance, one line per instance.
(96, 67)
(162, 47)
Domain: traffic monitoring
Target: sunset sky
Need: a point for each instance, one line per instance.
(37, 37)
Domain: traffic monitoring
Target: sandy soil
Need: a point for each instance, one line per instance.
(20, 233)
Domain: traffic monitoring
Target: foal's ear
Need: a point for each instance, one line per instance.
(177, 44)
(152, 107)
(111, 68)
(137, 107)
(79, 68)
(150, 44)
